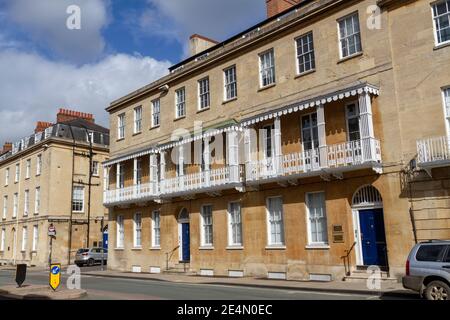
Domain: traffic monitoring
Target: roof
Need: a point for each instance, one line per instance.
(82, 123)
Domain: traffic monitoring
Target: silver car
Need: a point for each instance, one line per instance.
(428, 270)
(91, 256)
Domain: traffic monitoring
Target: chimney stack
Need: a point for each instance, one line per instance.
(65, 115)
(198, 43)
(275, 7)
(41, 126)
(6, 147)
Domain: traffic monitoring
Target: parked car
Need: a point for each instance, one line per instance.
(428, 270)
(91, 256)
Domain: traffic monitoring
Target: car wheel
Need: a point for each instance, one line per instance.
(91, 262)
(437, 290)
(79, 265)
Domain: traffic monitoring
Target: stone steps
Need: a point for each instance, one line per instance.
(363, 276)
(180, 268)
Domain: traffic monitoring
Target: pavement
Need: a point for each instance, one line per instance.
(387, 288)
(39, 292)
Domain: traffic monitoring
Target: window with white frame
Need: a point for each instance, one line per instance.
(90, 137)
(156, 229)
(78, 199)
(353, 121)
(6, 176)
(267, 68)
(26, 203)
(39, 165)
(37, 200)
(137, 119)
(317, 218)
(235, 224)
(24, 238)
(5, 206)
(35, 238)
(105, 178)
(349, 35)
(268, 138)
(203, 94)
(310, 132)
(2, 240)
(95, 168)
(156, 113)
(207, 225)
(305, 53)
(121, 175)
(441, 16)
(15, 204)
(121, 126)
(137, 234)
(446, 94)
(230, 83)
(276, 223)
(120, 232)
(17, 176)
(180, 103)
(28, 169)
(138, 172)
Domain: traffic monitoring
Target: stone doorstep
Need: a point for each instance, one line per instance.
(40, 293)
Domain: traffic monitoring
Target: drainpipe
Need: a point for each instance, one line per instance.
(71, 195)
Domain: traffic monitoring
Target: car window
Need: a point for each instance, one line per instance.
(431, 253)
(447, 257)
(80, 251)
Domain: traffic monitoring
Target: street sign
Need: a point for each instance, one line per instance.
(55, 276)
(21, 274)
(51, 230)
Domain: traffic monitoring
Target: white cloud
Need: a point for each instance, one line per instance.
(217, 19)
(33, 88)
(45, 22)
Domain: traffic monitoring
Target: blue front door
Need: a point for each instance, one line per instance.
(373, 238)
(185, 242)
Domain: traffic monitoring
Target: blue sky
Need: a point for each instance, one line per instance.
(121, 46)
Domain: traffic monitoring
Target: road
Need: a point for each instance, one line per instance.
(100, 288)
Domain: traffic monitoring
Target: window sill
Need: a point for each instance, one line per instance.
(203, 110)
(119, 249)
(78, 212)
(155, 127)
(442, 45)
(355, 55)
(155, 249)
(180, 118)
(136, 249)
(267, 87)
(229, 100)
(276, 247)
(317, 247)
(36, 213)
(38, 175)
(137, 133)
(304, 74)
(120, 139)
(235, 248)
(206, 248)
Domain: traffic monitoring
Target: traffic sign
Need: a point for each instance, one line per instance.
(55, 276)
(51, 230)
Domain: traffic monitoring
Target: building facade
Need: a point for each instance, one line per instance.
(53, 177)
(298, 149)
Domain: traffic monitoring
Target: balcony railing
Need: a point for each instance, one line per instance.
(202, 180)
(342, 155)
(133, 193)
(433, 150)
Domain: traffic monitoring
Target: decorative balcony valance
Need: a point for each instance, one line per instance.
(130, 156)
(309, 103)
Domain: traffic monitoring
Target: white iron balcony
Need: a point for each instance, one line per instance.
(136, 193)
(433, 152)
(209, 181)
(348, 156)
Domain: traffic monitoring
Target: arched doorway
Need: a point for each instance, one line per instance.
(368, 221)
(184, 239)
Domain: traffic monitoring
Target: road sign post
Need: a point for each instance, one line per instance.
(55, 276)
(52, 235)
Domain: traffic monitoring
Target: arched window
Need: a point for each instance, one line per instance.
(184, 215)
(367, 196)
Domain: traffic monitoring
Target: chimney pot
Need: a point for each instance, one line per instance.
(275, 7)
